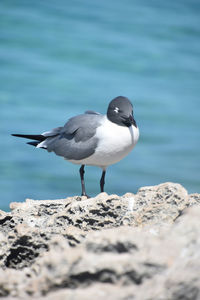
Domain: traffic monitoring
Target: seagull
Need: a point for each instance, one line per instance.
(92, 138)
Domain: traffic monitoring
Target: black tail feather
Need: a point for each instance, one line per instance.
(33, 143)
(37, 137)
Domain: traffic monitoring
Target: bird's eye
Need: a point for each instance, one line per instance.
(116, 109)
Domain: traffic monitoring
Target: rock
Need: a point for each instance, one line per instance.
(138, 246)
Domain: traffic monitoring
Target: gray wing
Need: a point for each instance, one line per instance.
(76, 140)
(52, 132)
(92, 112)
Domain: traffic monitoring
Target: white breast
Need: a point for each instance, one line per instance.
(115, 142)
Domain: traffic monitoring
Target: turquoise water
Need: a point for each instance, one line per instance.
(60, 58)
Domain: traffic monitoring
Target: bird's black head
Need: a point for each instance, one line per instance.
(120, 112)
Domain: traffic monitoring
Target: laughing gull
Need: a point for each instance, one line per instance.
(93, 139)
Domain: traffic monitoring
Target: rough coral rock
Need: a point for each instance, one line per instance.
(139, 246)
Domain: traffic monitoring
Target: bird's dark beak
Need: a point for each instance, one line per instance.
(128, 121)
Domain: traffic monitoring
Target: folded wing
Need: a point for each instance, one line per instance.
(76, 140)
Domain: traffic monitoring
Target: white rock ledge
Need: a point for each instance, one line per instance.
(139, 246)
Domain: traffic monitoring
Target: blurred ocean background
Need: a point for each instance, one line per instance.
(61, 58)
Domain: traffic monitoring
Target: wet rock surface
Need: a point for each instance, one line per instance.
(138, 246)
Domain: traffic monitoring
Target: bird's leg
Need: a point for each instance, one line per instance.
(82, 181)
(102, 181)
